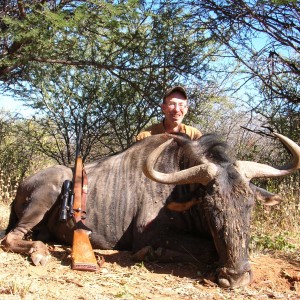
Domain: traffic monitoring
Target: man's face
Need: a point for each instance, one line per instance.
(175, 108)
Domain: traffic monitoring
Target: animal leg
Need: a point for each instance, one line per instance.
(162, 255)
(30, 217)
(37, 250)
(179, 249)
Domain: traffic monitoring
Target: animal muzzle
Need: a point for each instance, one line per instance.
(232, 278)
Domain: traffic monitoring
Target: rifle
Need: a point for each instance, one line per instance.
(83, 257)
(67, 199)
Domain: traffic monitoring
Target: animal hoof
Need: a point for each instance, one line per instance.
(39, 259)
(142, 253)
(224, 283)
(39, 254)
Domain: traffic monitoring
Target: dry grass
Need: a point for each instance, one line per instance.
(278, 227)
(7, 189)
(120, 278)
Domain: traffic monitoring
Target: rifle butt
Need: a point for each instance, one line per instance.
(83, 257)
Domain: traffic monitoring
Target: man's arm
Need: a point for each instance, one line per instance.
(192, 132)
(143, 135)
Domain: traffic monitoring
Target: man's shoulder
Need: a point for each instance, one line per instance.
(151, 130)
(154, 126)
(189, 127)
(192, 132)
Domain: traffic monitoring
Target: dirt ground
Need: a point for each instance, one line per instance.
(276, 276)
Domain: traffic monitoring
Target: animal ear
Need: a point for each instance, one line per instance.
(182, 206)
(266, 197)
(270, 200)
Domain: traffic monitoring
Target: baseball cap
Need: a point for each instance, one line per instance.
(177, 88)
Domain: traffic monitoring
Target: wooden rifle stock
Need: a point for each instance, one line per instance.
(83, 257)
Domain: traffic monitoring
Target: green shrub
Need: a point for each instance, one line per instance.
(260, 242)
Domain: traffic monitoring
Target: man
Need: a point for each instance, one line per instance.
(174, 107)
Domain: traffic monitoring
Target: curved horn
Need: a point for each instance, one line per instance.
(199, 174)
(257, 170)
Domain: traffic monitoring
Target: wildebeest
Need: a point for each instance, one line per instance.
(166, 195)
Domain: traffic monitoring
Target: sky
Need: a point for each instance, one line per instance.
(8, 103)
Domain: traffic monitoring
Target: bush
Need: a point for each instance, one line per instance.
(278, 227)
(19, 158)
(7, 189)
(261, 241)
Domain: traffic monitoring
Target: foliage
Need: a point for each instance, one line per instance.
(266, 242)
(283, 117)
(262, 35)
(123, 39)
(277, 227)
(261, 41)
(18, 157)
(258, 38)
(7, 188)
(105, 66)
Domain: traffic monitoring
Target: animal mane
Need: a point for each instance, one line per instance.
(215, 149)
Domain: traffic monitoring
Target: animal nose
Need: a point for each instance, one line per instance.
(236, 281)
(235, 278)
